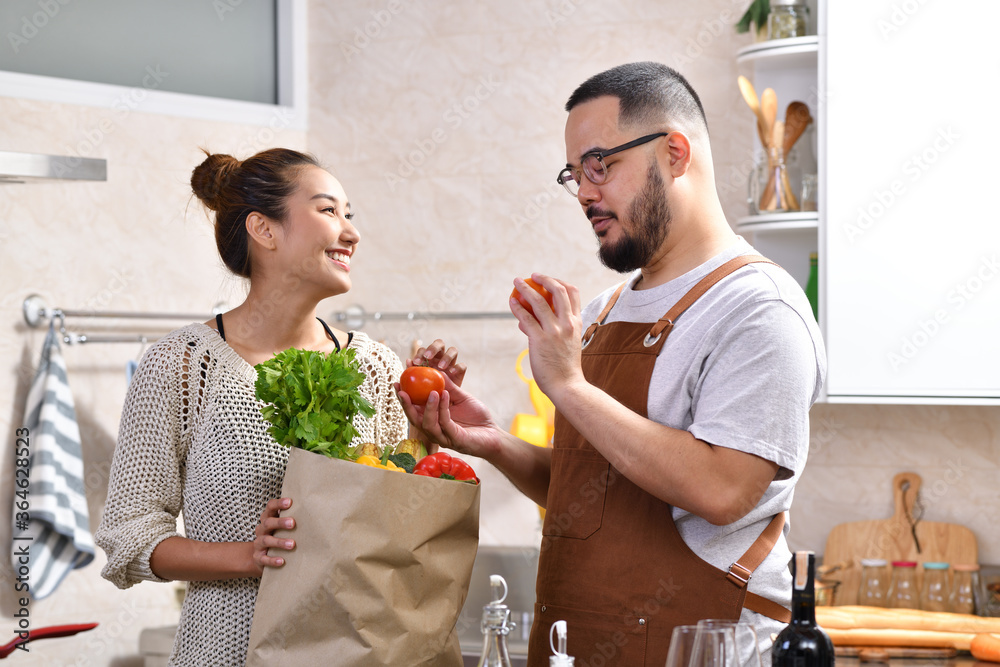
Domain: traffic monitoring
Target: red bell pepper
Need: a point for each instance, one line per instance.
(446, 467)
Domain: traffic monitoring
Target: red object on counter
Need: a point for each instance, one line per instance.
(445, 466)
(44, 633)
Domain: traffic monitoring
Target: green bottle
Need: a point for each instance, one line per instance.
(812, 285)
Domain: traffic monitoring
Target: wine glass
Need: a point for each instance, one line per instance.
(694, 646)
(744, 637)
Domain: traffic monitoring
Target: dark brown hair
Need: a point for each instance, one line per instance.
(234, 189)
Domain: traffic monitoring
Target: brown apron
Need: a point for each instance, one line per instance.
(612, 563)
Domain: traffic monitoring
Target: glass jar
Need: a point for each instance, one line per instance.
(903, 592)
(808, 198)
(874, 589)
(935, 591)
(788, 18)
(964, 584)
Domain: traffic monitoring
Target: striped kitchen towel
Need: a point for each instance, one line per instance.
(55, 536)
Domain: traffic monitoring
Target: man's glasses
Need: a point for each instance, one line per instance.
(592, 165)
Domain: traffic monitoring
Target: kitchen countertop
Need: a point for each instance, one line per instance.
(962, 660)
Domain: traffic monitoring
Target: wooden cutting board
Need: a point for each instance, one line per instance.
(893, 539)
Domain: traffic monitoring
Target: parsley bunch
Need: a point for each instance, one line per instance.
(311, 399)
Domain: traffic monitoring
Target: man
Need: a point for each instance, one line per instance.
(682, 423)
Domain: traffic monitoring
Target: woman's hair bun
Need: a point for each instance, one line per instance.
(209, 179)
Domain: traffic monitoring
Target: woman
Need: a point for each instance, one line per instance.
(192, 438)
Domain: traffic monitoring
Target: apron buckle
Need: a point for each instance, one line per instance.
(649, 341)
(735, 577)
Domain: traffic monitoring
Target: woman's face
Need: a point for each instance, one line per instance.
(317, 240)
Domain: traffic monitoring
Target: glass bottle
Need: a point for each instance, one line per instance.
(802, 643)
(903, 592)
(557, 633)
(934, 592)
(496, 626)
(812, 284)
(808, 197)
(788, 18)
(874, 589)
(963, 588)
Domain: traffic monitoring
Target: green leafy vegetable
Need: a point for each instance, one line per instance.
(311, 399)
(757, 14)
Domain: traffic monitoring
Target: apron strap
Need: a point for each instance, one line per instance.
(666, 323)
(589, 333)
(766, 607)
(740, 571)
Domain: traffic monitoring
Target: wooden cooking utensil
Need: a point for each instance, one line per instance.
(797, 119)
(896, 538)
(769, 111)
(750, 97)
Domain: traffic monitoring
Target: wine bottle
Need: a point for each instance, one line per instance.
(812, 284)
(802, 643)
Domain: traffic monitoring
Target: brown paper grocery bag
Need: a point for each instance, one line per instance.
(379, 573)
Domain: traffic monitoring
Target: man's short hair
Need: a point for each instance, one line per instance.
(648, 93)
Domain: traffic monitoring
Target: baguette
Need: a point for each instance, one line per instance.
(895, 637)
(874, 618)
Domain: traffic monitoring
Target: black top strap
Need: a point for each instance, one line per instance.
(329, 332)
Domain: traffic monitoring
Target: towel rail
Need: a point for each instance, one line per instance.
(36, 311)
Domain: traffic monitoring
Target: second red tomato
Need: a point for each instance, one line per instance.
(538, 288)
(419, 381)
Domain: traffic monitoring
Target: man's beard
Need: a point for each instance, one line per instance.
(649, 222)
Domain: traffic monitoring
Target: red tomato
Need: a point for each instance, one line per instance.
(538, 288)
(419, 381)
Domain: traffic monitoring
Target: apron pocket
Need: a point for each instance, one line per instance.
(594, 639)
(577, 489)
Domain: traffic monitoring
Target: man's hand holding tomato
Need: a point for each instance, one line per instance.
(454, 419)
(553, 333)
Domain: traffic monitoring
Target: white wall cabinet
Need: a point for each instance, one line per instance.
(911, 226)
(908, 228)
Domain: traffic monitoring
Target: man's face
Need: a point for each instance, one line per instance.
(645, 227)
(628, 212)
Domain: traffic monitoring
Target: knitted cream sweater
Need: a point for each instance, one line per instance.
(192, 440)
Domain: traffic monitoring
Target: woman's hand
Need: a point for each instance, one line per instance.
(264, 539)
(445, 360)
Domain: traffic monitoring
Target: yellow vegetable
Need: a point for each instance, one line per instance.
(373, 462)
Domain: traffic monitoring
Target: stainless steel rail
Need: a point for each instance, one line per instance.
(36, 312)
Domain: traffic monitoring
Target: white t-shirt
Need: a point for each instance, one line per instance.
(740, 369)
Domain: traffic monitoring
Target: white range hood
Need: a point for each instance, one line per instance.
(24, 167)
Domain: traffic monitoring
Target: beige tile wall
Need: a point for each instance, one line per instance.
(444, 123)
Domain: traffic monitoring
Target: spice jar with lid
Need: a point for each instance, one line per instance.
(964, 586)
(935, 591)
(903, 592)
(788, 18)
(874, 589)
